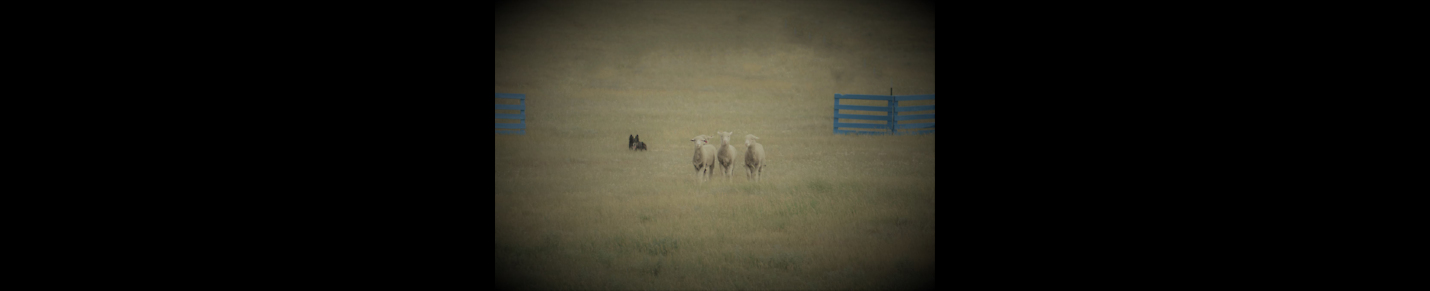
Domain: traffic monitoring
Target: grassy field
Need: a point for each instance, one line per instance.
(575, 209)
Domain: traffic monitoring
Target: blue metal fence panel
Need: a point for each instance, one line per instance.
(865, 108)
(861, 125)
(511, 116)
(915, 125)
(912, 117)
(868, 132)
(865, 97)
(863, 117)
(510, 107)
(511, 96)
(892, 118)
(914, 108)
(519, 116)
(913, 97)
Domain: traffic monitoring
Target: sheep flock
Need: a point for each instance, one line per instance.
(707, 156)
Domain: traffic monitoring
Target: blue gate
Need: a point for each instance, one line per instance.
(520, 127)
(892, 118)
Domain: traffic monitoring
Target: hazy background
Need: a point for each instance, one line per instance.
(575, 209)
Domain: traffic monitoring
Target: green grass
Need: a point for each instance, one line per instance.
(573, 216)
(575, 209)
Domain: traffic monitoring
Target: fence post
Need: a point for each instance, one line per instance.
(892, 121)
(523, 115)
(836, 114)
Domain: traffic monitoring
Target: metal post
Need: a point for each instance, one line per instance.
(836, 114)
(523, 116)
(893, 104)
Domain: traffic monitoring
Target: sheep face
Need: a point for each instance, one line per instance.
(749, 139)
(724, 136)
(700, 140)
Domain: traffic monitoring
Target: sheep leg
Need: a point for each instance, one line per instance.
(724, 171)
(730, 173)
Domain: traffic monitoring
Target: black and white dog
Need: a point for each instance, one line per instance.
(636, 144)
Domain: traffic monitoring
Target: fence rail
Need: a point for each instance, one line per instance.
(892, 119)
(520, 127)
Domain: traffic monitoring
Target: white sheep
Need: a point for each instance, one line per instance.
(704, 158)
(726, 155)
(754, 157)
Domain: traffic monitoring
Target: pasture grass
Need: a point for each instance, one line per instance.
(831, 212)
(575, 209)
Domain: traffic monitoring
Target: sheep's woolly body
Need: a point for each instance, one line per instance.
(704, 159)
(726, 155)
(754, 157)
